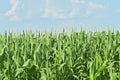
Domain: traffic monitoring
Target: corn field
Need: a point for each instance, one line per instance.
(47, 56)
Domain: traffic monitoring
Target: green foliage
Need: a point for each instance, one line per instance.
(48, 56)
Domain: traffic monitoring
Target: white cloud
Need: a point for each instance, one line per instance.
(12, 12)
(51, 11)
(47, 9)
(77, 1)
(92, 5)
(73, 12)
(59, 14)
(14, 8)
(88, 12)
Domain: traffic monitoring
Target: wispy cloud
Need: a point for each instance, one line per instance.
(73, 12)
(88, 12)
(52, 11)
(47, 10)
(77, 1)
(92, 7)
(60, 14)
(12, 12)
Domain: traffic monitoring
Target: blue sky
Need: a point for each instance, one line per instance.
(54, 15)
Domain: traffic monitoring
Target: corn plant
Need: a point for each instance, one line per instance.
(48, 56)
